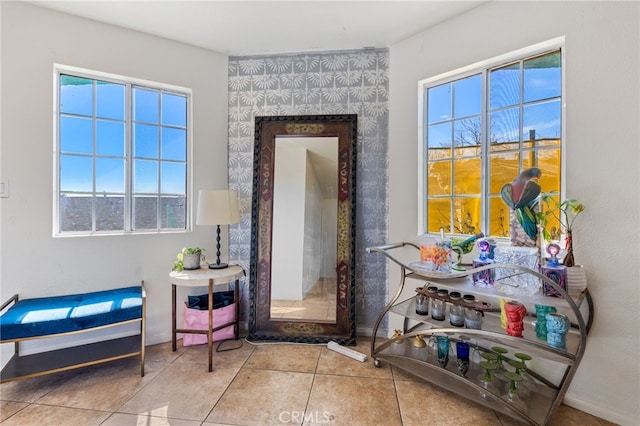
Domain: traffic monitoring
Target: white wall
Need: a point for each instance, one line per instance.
(33, 262)
(312, 246)
(287, 235)
(602, 107)
(296, 235)
(329, 252)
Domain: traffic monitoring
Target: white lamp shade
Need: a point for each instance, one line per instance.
(217, 207)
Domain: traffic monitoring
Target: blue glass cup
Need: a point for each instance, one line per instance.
(443, 350)
(462, 352)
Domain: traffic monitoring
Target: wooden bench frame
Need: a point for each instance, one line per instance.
(39, 364)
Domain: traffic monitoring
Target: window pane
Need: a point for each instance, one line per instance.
(174, 110)
(466, 218)
(145, 141)
(110, 138)
(76, 173)
(467, 176)
(542, 77)
(498, 217)
(468, 133)
(439, 103)
(172, 212)
(75, 213)
(439, 210)
(553, 225)
(76, 135)
(439, 136)
(503, 169)
(113, 160)
(548, 161)
(439, 178)
(145, 105)
(174, 178)
(110, 100)
(145, 176)
(109, 213)
(505, 86)
(467, 96)
(481, 131)
(76, 95)
(145, 212)
(174, 144)
(505, 126)
(109, 175)
(542, 121)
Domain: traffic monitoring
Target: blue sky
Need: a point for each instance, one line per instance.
(159, 138)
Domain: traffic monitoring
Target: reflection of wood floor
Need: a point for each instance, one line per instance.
(319, 305)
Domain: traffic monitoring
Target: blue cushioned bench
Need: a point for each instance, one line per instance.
(46, 317)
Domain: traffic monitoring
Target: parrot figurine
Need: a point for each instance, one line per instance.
(521, 196)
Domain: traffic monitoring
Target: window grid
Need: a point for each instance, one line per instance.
(527, 156)
(176, 221)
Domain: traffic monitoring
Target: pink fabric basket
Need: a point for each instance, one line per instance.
(199, 320)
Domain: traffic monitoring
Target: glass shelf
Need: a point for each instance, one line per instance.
(491, 324)
(538, 403)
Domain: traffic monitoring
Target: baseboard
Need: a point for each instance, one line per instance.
(599, 411)
(368, 332)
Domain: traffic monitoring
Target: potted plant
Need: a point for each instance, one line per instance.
(557, 218)
(188, 258)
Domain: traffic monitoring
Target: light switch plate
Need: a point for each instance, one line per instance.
(4, 189)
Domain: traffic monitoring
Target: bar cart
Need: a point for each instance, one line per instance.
(548, 369)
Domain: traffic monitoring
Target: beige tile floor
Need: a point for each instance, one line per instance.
(253, 385)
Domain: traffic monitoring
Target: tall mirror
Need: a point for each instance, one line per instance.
(302, 280)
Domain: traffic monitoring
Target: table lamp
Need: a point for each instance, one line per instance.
(217, 207)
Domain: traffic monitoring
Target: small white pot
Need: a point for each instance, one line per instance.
(576, 280)
(191, 261)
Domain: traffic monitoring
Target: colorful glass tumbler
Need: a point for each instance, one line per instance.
(462, 362)
(557, 328)
(555, 272)
(483, 278)
(541, 321)
(515, 313)
(443, 350)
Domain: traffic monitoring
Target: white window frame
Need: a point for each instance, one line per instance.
(482, 67)
(129, 82)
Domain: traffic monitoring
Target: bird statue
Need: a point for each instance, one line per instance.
(521, 196)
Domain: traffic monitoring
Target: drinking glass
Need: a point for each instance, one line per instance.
(500, 371)
(486, 379)
(527, 380)
(462, 362)
(511, 396)
(443, 350)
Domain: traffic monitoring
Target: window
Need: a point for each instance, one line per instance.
(481, 126)
(121, 155)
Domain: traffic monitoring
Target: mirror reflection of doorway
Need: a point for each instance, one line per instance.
(304, 229)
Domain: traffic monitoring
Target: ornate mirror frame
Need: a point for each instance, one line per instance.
(261, 325)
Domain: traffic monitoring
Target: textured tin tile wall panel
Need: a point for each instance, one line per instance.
(343, 82)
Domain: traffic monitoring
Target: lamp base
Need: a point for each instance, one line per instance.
(218, 265)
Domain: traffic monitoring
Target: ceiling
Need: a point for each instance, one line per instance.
(242, 28)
